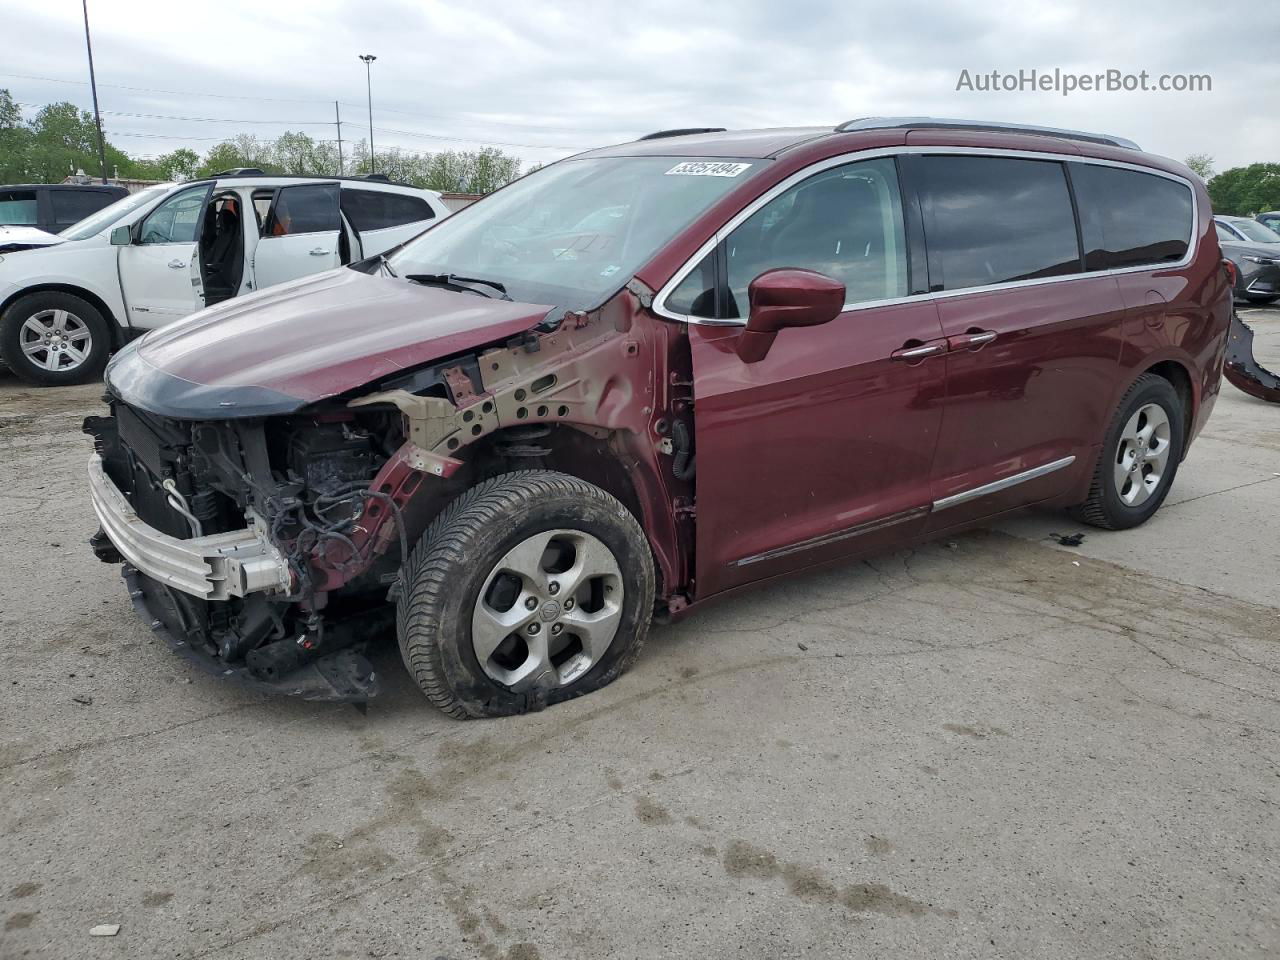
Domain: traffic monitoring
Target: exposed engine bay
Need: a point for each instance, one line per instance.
(338, 493)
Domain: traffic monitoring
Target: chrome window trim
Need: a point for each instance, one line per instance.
(659, 300)
(964, 496)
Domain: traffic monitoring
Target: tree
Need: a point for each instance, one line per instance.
(298, 154)
(1245, 191)
(1201, 165)
(62, 139)
(15, 140)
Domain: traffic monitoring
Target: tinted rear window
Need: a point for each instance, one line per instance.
(1129, 218)
(995, 220)
(305, 208)
(376, 210)
(72, 206)
(18, 206)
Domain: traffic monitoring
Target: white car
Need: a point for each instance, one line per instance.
(169, 250)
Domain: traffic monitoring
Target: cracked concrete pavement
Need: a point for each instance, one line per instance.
(994, 746)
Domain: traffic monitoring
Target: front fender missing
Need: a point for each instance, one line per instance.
(570, 376)
(1243, 370)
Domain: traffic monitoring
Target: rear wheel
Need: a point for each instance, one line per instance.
(1139, 459)
(53, 338)
(531, 588)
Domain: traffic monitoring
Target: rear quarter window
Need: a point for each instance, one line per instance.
(18, 207)
(995, 220)
(377, 210)
(1129, 218)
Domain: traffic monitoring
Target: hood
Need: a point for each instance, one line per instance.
(15, 238)
(278, 350)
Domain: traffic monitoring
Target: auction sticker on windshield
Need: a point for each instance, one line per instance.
(707, 168)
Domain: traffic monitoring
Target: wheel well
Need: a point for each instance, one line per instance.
(563, 448)
(1177, 375)
(117, 331)
(549, 446)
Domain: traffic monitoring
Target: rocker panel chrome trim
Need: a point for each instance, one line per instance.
(964, 496)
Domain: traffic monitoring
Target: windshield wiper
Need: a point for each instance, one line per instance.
(455, 282)
(386, 265)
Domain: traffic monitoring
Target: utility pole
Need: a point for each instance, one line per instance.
(93, 86)
(337, 118)
(368, 59)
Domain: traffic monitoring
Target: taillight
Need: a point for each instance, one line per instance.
(1232, 272)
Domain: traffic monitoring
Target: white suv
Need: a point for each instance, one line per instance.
(163, 253)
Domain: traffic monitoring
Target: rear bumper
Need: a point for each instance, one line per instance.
(213, 567)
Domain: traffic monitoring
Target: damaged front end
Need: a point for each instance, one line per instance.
(228, 532)
(1242, 368)
(269, 548)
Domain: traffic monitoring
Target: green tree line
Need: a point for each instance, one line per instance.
(1240, 191)
(61, 139)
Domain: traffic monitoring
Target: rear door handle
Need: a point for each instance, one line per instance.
(919, 352)
(177, 264)
(320, 252)
(971, 340)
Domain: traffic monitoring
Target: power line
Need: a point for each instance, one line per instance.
(164, 116)
(176, 93)
(360, 107)
(492, 143)
(168, 136)
(314, 123)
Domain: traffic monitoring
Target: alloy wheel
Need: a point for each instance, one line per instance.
(1142, 455)
(548, 610)
(56, 340)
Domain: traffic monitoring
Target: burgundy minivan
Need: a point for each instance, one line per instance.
(653, 374)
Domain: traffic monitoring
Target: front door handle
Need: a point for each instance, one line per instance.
(919, 352)
(177, 264)
(320, 252)
(971, 340)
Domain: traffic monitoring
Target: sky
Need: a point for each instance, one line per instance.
(544, 80)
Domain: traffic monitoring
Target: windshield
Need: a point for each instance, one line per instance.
(97, 222)
(1256, 231)
(573, 233)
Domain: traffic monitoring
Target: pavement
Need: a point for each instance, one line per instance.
(993, 746)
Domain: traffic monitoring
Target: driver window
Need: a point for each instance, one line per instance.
(845, 222)
(175, 220)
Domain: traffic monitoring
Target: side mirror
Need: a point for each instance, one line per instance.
(120, 237)
(786, 298)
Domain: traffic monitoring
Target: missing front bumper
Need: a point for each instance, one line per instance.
(214, 567)
(344, 676)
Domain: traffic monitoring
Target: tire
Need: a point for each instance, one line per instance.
(1113, 502)
(54, 362)
(466, 569)
(1260, 300)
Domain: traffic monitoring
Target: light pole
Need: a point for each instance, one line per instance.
(93, 85)
(368, 59)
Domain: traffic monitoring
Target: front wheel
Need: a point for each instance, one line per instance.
(52, 338)
(531, 588)
(1139, 458)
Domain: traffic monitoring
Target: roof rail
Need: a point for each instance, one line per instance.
(680, 132)
(896, 123)
(379, 177)
(239, 172)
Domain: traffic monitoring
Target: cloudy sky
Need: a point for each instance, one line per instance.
(542, 80)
